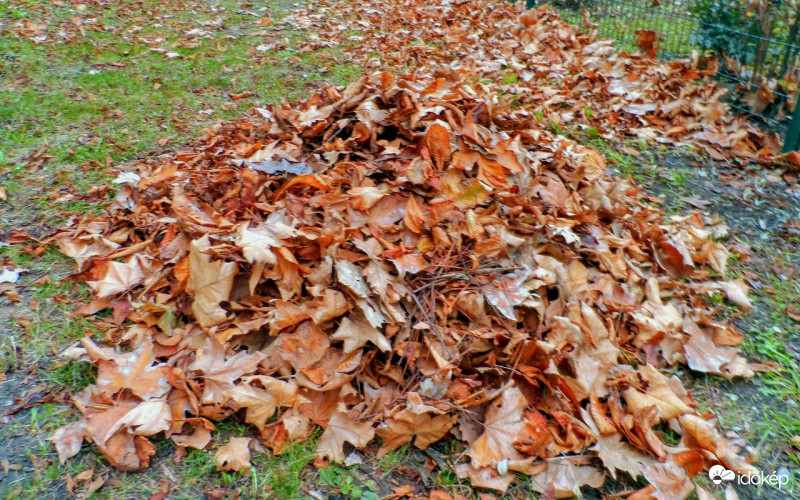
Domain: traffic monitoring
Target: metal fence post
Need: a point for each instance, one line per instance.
(792, 140)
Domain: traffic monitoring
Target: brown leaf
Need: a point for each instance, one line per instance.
(564, 479)
(262, 402)
(704, 355)
(220, 371)
(437, 140)
(235, 455)
(501, 428)
(659, 393)
(342, 429)
(209, 283)
(119, 277)
(407, 424)
(356, 332)
(136, 370)
(414, 218)
(485, 477)
(618, 455)
(68, 440)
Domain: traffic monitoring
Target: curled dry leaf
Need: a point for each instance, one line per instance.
(407, 424)
(119, 277)
(342, 429)
(501, 429)
(437, 140)
(209, 283)
(235, 455)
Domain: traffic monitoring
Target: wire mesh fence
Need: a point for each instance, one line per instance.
(756, 41)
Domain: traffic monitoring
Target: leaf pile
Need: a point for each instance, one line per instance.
(436, 264)
(539, 61)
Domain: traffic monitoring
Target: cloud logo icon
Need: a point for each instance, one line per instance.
(718, 473)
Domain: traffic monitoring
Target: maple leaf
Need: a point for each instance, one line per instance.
(68, 439)
(332, 305)
(220, 371)
(210, 283)
(332, 371)
(704, 355)
(659, 393)
(303, 347)
(502, 426)
(618, 455)
(485, 477)
(257, 242)
(119, 277)
(407, 424)
(126, 452)
(564, 480)
(83, 248)
(507, 292)
(146, 419)
(736, 291)
(134, 370)
(262, 402)
(356, 333)
(235, 455)
(673, 256)
(702, 434)
(342, 429)
(670, 482)
(199, 438)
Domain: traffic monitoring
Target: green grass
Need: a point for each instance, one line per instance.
(284, 476)
(342, 480)
(107, 98)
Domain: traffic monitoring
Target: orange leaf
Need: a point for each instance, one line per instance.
(301, 180)
(437, 140)
(414, 217)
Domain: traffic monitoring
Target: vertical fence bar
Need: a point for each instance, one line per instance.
(792, 140)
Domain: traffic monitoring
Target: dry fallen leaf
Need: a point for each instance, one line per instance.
(209, 283)
(235, 455)
(342, 429)
(501, 428)
(406, 425)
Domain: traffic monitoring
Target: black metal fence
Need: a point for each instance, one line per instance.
(757, 42)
